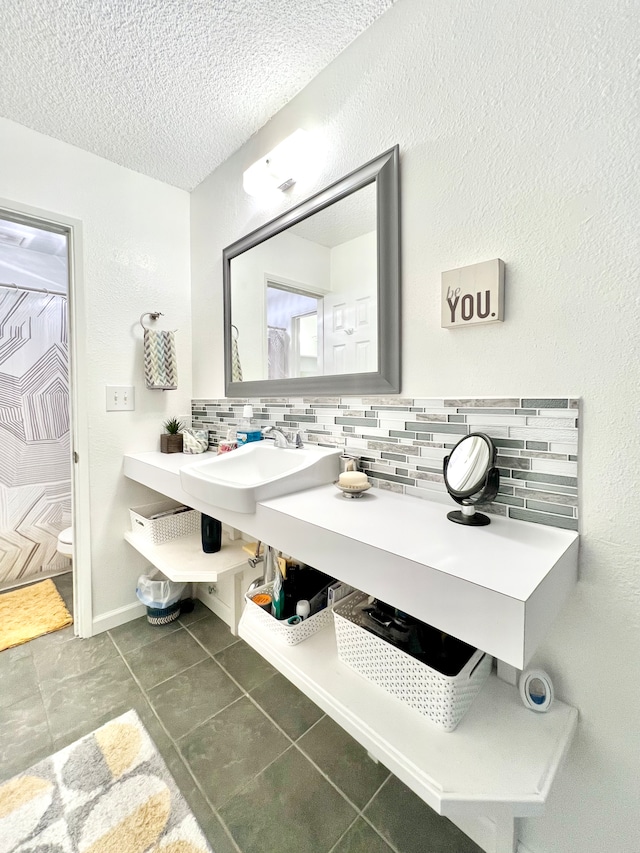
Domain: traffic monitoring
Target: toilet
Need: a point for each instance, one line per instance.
(65, 542)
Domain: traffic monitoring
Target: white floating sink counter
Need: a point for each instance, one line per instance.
(256, 472)
(499, 587)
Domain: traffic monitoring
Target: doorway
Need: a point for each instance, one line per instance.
(294, 325)
(39, 436)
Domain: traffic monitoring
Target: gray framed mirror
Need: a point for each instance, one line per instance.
(312, 298)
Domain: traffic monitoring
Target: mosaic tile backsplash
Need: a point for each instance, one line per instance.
(401, 442)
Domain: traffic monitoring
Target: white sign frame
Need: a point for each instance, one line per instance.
(473, 295)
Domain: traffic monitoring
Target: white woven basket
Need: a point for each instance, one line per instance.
(290, 635)
(443, 699)
(158, 530)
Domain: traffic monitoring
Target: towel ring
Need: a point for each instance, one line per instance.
(153, 314)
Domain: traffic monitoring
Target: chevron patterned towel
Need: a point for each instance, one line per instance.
(160, 368)
(236, 367)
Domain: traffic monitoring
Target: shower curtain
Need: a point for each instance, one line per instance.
(278, 345)
(35, 463)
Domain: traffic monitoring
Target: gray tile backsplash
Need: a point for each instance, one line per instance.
(401, 442)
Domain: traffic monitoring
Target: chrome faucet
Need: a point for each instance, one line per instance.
(283, 439)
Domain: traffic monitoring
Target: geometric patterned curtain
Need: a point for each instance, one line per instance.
(35, 460)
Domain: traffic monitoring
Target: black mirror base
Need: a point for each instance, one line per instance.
(475, 520)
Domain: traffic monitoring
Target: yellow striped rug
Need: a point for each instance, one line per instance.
(30, 612)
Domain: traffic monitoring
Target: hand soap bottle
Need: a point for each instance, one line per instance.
(247, 431)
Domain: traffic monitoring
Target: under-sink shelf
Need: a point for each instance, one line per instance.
(183, 559)
(498, 588)
(501, 758)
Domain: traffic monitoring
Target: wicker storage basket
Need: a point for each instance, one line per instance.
(290, 635)
(158, 530)
(443, 699)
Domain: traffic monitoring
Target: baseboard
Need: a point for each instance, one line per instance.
(482, 830)
(16, 583)
(117, 617)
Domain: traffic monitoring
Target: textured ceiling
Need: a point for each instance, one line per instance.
(169, 88)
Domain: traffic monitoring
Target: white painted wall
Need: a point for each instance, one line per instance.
(518, 131)
(353, 265)
(136, 259)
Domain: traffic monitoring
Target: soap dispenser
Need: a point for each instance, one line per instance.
(247, 431)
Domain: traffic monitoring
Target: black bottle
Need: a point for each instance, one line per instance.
(211, 530)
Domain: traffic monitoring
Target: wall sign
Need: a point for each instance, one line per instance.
(473, 294)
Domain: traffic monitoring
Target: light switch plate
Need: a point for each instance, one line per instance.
(121, 398)
(473, 295)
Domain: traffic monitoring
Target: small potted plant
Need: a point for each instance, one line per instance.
(171, 440)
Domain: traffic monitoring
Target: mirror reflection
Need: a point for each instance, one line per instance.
(471, 477)
(312, 298)
(468, 464)
(304, 301)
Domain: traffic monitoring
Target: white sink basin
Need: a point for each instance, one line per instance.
(256, 472)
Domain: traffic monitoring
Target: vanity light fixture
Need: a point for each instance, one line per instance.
(280, 168)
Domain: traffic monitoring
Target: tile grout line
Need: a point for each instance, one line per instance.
(39, 680)
(44, 704)
(292, 743)
(179, 754)
(208, 719)
(359, 811)
(296, 745)
(372, 825)
(345, 833)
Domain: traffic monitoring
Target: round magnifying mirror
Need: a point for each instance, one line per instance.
(471, 477)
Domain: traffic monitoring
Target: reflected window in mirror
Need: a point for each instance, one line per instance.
(306, 291)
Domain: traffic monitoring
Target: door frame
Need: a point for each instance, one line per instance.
(78, 385)
(281, 283)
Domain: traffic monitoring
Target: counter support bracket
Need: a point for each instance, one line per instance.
(506, 833)
(508, 673)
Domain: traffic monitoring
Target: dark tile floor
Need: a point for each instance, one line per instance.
(263, 769)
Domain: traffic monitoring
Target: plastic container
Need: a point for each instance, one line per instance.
(157, 524)
(442, 699)
(247, 431)
(290, 635)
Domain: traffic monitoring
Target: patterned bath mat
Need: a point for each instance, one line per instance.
(109, 792)
(30, 612)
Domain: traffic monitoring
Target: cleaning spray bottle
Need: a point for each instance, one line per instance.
(248, 431)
